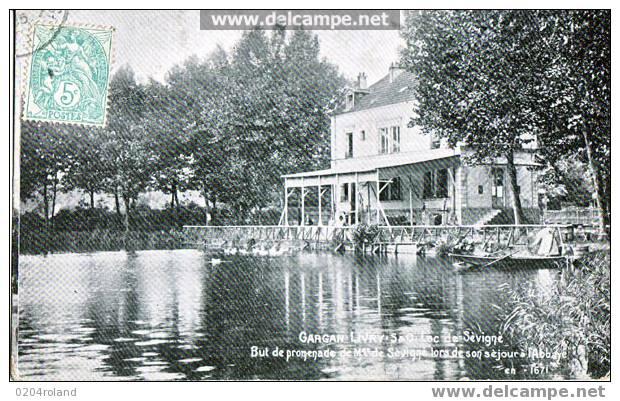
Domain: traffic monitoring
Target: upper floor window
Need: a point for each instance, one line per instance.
(435, 184)
(349, 152)
(389, 140)
(395, 139)
(435, 142)
(363, 135)
(383, 141)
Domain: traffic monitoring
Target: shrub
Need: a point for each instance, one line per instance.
(99, 229)
(364, 234)
(572, 320)
(444, 247)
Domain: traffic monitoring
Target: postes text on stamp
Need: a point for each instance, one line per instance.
(68, 74)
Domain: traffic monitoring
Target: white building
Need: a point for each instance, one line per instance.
(385, 172)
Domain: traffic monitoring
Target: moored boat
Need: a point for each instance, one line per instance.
(507, 260)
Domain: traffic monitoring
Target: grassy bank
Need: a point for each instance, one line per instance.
(99, 229)
(571, 321)
(41, 242)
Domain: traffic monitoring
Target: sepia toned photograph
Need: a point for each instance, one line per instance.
(311, 195)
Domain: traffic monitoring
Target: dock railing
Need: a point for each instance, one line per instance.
(502, 235)
(583, 216)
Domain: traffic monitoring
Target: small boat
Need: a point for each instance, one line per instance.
(508, 260)
(542, 252)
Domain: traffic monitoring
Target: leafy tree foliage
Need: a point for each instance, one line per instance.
(45, 156)
(563, 182)
(254, 115)
(496, 80)
(575, 100)
(126, 142)
(88, 169)
(228, 125)
(478, 81)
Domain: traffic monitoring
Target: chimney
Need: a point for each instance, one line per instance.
(361, 81)
(395, 71)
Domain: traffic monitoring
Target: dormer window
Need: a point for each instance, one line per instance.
(350, 100)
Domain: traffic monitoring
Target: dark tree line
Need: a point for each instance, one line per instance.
(227, 125)
(495, 80)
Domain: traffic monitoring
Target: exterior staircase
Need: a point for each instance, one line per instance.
(505, 216)
(487, 218)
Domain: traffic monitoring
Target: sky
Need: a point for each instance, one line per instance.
(152, 42)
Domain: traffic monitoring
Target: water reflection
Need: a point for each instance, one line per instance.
(166, 315)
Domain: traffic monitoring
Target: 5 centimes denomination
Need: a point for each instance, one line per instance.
(68, 74)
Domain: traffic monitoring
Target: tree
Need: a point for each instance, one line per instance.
(254, 66)
(126, 142)
(479, 76)
(575, 102)
(200, 93)
(254, 115)
(566, 180)
(312, 90)
(501, 78)
(228, 125)
(45, 155)
(88, 170)
(284, 93)
(164, 122)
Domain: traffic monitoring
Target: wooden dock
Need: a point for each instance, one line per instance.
(389, 239)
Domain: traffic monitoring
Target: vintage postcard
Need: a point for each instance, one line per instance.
(308, 195)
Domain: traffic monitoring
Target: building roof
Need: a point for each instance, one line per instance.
(383, 93)
(373, 163)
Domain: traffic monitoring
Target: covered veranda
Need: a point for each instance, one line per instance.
(323, 187)
(352, 193)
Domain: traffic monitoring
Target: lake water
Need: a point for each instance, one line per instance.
(173, 315)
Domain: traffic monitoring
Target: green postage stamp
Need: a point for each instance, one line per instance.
(68, 74)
